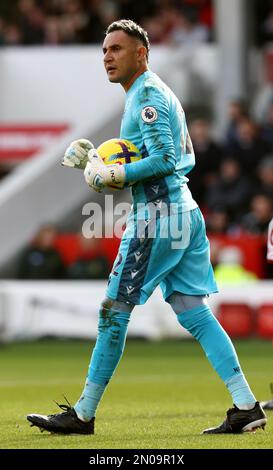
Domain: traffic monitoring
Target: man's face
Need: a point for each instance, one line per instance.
(123, 56)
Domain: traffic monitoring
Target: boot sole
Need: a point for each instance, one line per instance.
(251, 427)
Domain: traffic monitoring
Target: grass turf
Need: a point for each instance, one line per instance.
(161, 397)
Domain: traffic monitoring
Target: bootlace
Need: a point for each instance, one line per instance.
(66, 408)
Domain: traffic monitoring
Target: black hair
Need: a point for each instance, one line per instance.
(132, 29)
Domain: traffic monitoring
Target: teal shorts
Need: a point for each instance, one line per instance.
(171, 251)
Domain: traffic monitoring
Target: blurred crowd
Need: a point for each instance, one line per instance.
(53, 22)
(44, 258)
(233, 179)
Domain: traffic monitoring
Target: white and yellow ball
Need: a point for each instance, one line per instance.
(119, 151)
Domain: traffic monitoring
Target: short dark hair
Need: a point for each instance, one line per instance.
(132, 29)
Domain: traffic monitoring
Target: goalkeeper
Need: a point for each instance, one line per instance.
(155, 122)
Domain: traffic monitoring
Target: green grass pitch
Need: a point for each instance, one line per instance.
(162, 395)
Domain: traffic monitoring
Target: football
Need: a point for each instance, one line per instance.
(119, 151)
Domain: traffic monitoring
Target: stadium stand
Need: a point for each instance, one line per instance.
(236, 319)
(264, 320)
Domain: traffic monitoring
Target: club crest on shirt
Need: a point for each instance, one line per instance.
(149, 114)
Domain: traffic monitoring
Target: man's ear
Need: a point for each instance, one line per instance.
(141, 52)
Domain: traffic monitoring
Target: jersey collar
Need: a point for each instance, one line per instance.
(138, 81)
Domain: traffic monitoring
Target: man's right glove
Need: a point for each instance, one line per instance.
(98, 175)
(76, 155)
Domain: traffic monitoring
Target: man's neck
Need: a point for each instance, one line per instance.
(140, 71)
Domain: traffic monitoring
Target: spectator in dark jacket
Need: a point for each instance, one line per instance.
(91, 262)
(257, 220)
(231, 192)
(250, 147)
(265, 176)
(208, 156)
(41, 260)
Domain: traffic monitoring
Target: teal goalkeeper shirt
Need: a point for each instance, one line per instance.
(155, 122)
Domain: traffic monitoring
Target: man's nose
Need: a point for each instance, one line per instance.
(108, 57)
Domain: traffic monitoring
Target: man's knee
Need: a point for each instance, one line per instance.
(182, 303)
(117, 305)
(107, 303)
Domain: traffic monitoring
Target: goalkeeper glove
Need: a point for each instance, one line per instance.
(98, 175)
(76, 155)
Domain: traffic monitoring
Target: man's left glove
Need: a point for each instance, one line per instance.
(76, 155)
(98, 175)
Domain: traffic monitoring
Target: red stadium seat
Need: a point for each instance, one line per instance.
(251, 246)
(68, 246)
(236, 319)
(264, 320)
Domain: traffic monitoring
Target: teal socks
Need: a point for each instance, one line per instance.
(239, 389)
(199, 321)
(203, 325)
(106, 355)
